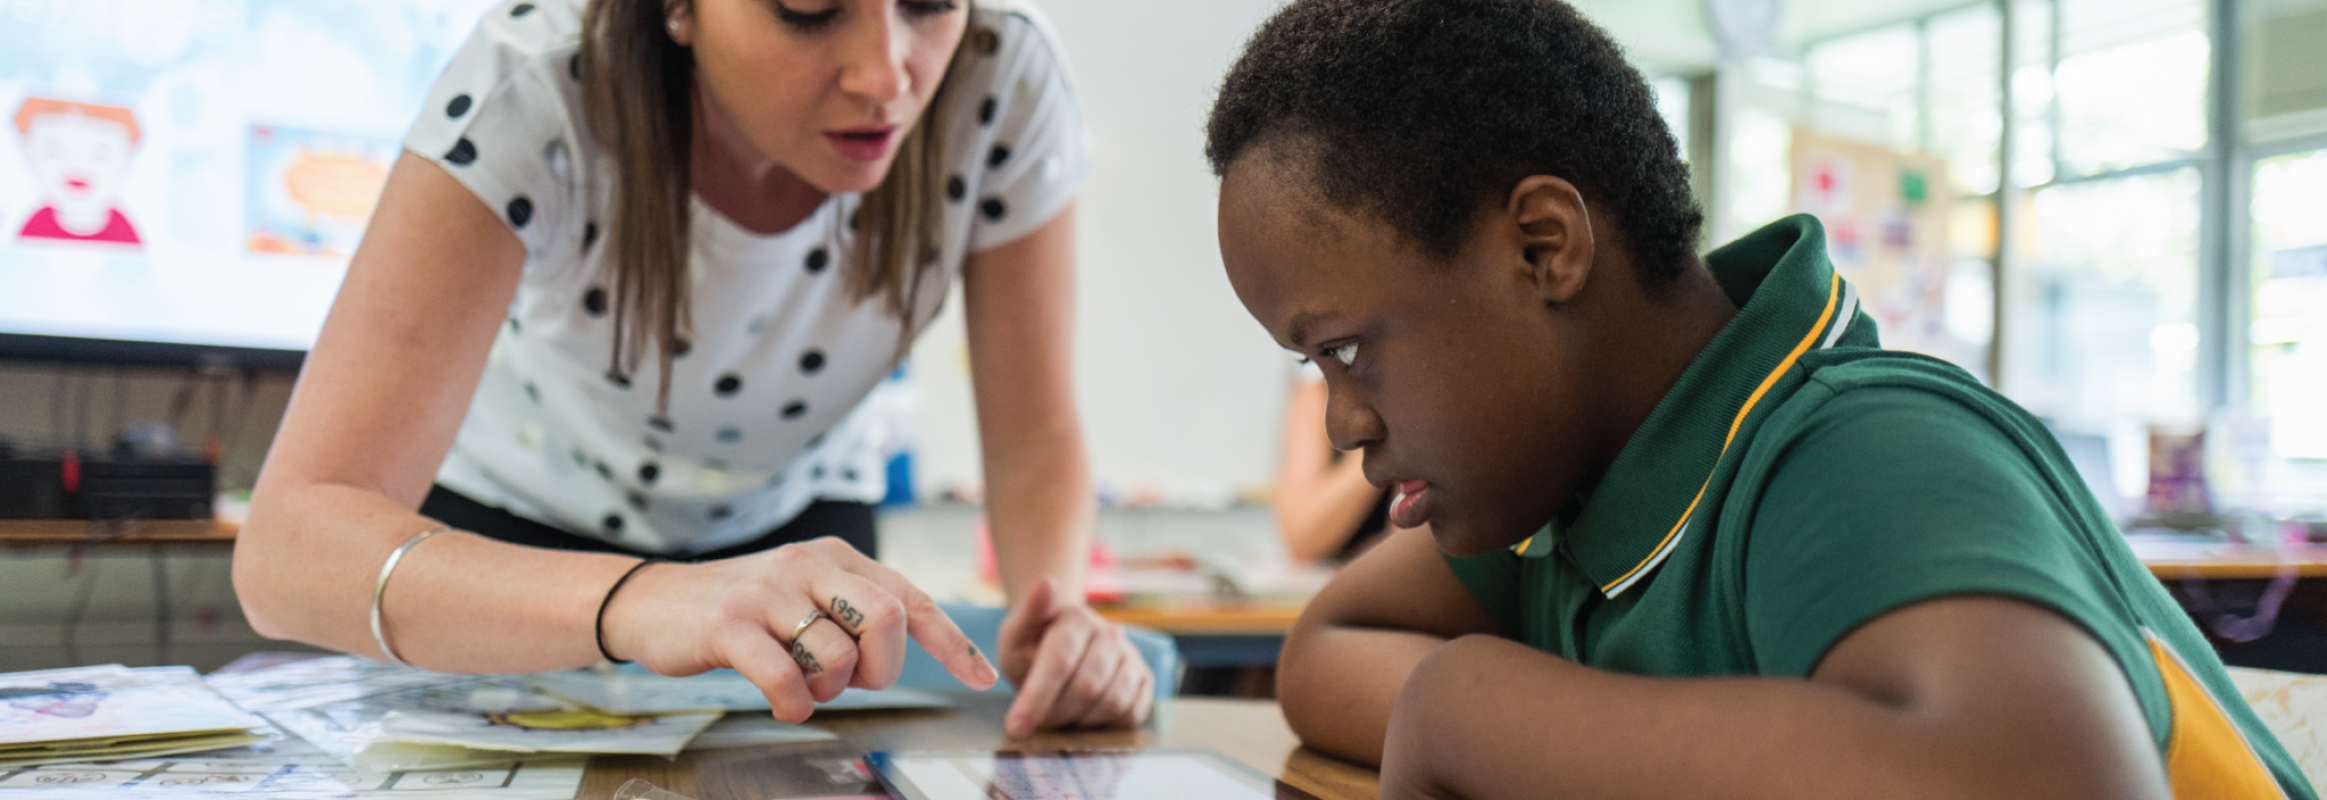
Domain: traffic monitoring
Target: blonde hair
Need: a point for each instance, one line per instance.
(638, 98)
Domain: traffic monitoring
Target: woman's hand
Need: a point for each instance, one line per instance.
(1071, 667)
(682, 619)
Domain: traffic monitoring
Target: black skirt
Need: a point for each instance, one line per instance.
(851, 521)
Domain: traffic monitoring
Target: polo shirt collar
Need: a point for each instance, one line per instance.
(1790, 301)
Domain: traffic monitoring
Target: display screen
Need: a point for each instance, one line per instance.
(1088, 775)
(197, 172)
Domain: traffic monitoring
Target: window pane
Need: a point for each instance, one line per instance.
(1865, 86)
(2132, 82)
(2103, 316)
(2288, 328)
(1965, 114)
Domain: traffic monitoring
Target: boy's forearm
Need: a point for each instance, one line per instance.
(1337, 685)
(1457, 732)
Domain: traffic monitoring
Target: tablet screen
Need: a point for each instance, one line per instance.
(1075, 775)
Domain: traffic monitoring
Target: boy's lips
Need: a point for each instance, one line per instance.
(1410, 503)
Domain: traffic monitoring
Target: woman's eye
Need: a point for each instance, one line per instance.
(929, 8)
(804, 20)
(1345, 354)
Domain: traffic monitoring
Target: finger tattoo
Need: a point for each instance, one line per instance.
(847, 613)
(806, 660)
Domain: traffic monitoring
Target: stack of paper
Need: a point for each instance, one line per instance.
(382, 718)
(113, 712)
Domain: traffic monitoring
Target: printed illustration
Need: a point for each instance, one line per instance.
(312, 193)
(80, 154)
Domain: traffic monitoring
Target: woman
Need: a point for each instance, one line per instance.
(638, 263)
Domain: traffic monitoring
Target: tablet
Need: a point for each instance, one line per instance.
(1075, 775)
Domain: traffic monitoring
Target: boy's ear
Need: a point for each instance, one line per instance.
(1551, 228)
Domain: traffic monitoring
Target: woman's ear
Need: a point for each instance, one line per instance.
(1550, 229)
(679, 22)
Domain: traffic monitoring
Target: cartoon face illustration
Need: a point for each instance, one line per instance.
(80, 155)
(68, 700)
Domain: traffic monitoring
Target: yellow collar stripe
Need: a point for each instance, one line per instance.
(1833, 292)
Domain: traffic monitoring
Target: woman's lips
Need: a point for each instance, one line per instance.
(1410, 504)
(868, 143)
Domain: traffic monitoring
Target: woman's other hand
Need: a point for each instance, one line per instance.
(1072, 667)
(683, 619)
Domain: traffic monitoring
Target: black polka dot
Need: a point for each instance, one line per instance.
(594, 301)
(681, 347)
(514, 327)
(463, 153)
(589, 235)
(520, 212)
(637, 500)
(955, 189)
(521, 9)
(986, 41)
(818, 472)
(993, 209)
(604, 471)
(618, 379)
(794, 409)
(648, 472)
(998, 156)
(848, 475)
(534, 392)
(612, 523)
(986, 111)
(730, 435)
(856, 219)
(659, 422)
(574, 67)
(720, 512)
(728, 385)
(458, 106)
(579, 459)
(817, 259)
(812, 362)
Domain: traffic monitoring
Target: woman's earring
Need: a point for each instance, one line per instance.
(672, 26)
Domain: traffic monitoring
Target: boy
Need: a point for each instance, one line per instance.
(1690, 531)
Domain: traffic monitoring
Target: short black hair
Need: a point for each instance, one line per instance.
(1421, 111)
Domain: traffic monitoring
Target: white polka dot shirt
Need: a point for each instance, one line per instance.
(768, 408)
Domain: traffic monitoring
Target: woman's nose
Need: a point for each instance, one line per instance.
(873, 63)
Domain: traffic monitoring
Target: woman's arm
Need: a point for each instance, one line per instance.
(378, 403)
(1070, 666)
(1361, 638)
(1321, 499)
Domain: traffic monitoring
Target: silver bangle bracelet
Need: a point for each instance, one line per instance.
(380, 589)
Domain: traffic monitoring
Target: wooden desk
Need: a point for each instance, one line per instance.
(1208, 619)
(1249, 731)
(54, 532)
(2174, 560)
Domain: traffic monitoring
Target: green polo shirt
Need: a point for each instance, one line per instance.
(1799, 481)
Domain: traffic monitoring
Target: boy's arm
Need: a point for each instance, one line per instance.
(1955, 697)
(1357, 642)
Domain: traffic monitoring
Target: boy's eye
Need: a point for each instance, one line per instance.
(1345, 354)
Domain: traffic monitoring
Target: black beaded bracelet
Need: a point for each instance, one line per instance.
(609, 598)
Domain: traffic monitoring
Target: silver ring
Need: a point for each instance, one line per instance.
(811, 619)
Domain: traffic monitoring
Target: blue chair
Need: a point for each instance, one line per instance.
(983, 624)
